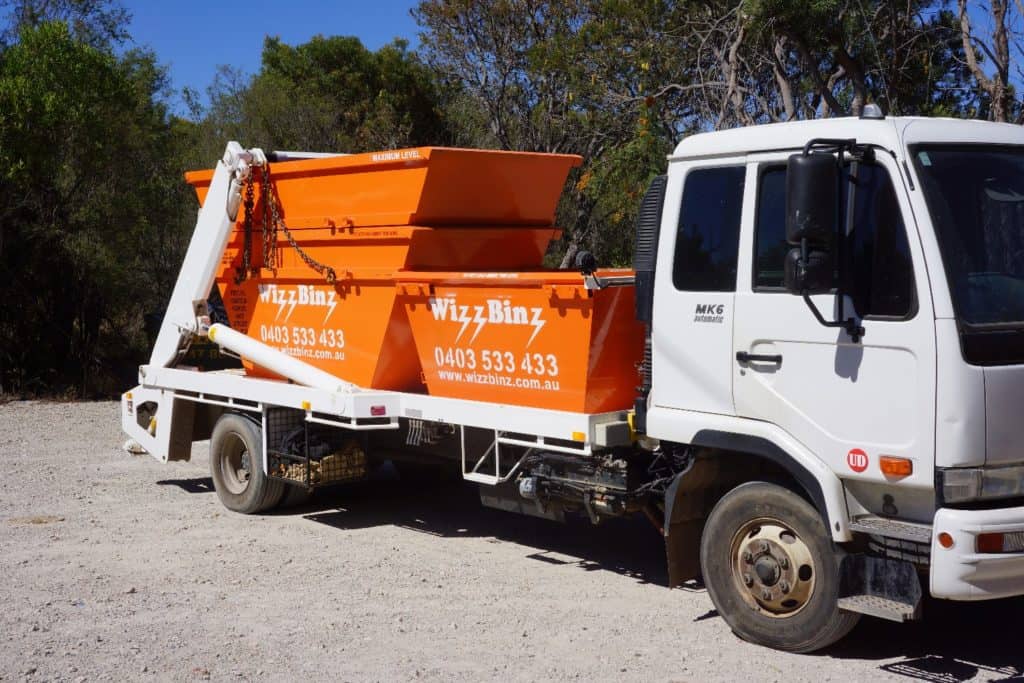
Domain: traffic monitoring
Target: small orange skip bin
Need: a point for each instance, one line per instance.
(538, 339)
(418, 186)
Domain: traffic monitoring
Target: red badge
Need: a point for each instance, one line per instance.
(857, 460)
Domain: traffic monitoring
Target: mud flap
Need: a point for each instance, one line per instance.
(687, 504)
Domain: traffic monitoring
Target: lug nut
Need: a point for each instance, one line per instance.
(784, 562)
(748, 557)
(766, 594)
(748, 579)
(784, 586)
(764, 547)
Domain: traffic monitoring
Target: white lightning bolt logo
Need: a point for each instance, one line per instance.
(495, 312)
(462, 317)
(480, 319)
(291, 305)
(331, 304)
(538, 325)
(306, 295)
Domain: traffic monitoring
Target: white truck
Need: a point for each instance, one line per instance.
(828, 422)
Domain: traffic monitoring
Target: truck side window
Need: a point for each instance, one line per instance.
(771, 244)
(707, 240)
(881, 277)
(880, 273)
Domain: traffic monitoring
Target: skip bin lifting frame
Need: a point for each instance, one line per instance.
(164, 427)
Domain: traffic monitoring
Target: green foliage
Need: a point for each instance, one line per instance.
(328, 94)
(86, 187)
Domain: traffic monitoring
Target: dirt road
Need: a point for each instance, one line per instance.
(116, 567)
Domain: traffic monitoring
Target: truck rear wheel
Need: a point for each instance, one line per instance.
(772, 570)
(236, 465)
(295, 496)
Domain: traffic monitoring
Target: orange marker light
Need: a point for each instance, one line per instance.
(945, 540)
(892, 466)
(990, 543)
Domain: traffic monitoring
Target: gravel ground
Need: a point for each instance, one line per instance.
(117, 567)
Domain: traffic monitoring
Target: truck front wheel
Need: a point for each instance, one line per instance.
(236, 465)
(772, 570)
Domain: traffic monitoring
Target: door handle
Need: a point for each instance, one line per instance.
(744, 357)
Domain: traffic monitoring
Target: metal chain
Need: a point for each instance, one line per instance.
(271, 221)
(275, 219)
(269, 228)
(245, 270)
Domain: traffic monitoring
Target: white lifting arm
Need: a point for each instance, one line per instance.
(213, 228)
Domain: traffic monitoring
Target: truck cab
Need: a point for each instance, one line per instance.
(882, 369)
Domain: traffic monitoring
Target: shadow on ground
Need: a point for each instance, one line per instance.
(198, 485)
(955, 642)
(629, 547)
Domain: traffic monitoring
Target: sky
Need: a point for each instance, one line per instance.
(192, 38)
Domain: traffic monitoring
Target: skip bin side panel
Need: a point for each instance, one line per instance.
(616, 349)
(541, 344)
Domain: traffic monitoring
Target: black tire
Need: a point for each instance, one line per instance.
(295, 496)
(772, 570)
(236, 457)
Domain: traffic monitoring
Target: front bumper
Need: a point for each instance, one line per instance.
(961, 572)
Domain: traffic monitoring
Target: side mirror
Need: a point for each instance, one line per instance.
(812, 200)
(812, 220)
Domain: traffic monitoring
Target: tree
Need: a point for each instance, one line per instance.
(784, 60)
(995, 86)
(99, 23)
(86, 188)
(560, 77)
(328, 94)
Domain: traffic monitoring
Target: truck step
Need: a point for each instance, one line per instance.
(892, 528)
(880, 587)
(876, 606)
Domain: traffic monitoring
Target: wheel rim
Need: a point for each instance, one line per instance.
(772, 567)
(235, 465)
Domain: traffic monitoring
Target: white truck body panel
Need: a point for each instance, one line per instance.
(962, 573)
(959, 403)
(695, 374)
(1004, 444)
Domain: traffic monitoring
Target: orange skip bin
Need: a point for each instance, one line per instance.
(537, 339)
(420, 186)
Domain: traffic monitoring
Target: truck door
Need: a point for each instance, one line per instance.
(694, 291)
(847, 402)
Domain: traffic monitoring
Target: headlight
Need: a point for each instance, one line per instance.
(960, 485)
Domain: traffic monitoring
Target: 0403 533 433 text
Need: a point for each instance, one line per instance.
(492, 360)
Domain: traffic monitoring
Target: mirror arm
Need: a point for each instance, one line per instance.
(850, 325)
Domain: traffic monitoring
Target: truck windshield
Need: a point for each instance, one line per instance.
(975, 194)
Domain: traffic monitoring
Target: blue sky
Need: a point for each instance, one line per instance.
(193, 38)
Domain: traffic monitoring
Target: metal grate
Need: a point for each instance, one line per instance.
(311, 454)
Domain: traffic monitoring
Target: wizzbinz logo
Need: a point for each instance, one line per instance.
(302, 295)
(495, 312)
(709, 313)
